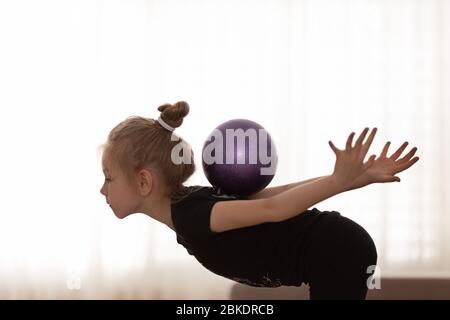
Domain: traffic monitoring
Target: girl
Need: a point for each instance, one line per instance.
(267, 239)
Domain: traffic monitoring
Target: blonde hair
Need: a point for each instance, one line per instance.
(137, 143)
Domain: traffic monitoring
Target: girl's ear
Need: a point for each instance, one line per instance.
(145, 182)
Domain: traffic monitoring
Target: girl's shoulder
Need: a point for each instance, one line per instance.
(188, 192)
(204, 192)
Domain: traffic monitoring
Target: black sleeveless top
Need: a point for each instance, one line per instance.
(266, 255)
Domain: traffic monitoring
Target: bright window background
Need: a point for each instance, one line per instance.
(309, 71)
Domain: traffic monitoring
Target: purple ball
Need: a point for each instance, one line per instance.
(239, 157)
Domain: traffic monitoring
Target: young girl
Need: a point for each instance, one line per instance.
(267, 239)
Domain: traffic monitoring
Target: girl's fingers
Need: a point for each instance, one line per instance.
(385, 150)
(335, 150)
(399, 151)
(369, 162)
(361, 138)
(408, 156)
(404, 166)
(366, 146)
(348, 145)
(390, 179)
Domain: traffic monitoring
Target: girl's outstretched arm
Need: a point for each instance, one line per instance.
(234, 214)
(273, 191)
(298, 199)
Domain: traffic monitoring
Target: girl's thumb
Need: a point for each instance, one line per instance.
(332, 146)
(369, 162)
(392, 179)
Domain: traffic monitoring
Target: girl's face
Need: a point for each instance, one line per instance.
(120, 195)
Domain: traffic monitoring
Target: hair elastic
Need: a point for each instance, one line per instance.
(164, 124)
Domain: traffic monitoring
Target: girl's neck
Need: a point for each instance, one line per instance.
(160, 210)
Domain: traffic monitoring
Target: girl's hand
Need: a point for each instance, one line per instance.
(349, 162)
(384, 169)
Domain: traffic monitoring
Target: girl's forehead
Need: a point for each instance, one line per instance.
(110, 168)
(106, 164)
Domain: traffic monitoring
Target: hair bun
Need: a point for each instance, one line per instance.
(174, 114)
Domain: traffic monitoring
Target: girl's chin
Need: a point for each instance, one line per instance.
(119, 214)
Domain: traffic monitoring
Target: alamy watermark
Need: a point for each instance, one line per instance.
(213, 153)
(374, 281)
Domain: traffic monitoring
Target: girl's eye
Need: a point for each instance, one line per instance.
(107, 179)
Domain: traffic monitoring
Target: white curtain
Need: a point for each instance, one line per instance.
(308, 71)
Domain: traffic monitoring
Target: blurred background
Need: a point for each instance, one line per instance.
(308, 71)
